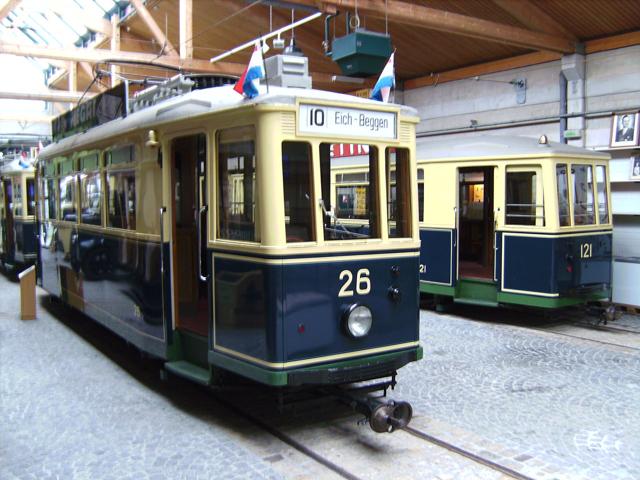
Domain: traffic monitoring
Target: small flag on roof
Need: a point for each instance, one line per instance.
(385, 83)
(250, 79)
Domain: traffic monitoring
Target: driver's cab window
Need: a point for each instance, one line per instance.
(350, 186)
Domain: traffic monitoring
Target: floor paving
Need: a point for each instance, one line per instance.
(551, 406)
(77, 402)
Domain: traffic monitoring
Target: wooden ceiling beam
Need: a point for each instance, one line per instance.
(6, 6)
(505, 64)
(156, 31)
(186, 28)
(47, 95)
(98, 55)
(449, 22)
(534, 18)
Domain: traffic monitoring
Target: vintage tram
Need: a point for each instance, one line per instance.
(17, 211)
(514, 221)
(200, 227)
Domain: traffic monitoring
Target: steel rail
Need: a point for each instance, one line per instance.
(466, 453)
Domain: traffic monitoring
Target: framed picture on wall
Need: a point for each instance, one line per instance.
(635, 168)
(624, 129)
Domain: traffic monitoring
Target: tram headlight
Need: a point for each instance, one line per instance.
(358, 320)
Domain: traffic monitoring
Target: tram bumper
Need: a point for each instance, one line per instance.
(354, 370)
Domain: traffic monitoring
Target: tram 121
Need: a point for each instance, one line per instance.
(514, 220)
(201, 228)
(17, 211)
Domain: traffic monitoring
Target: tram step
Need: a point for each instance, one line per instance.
(190, 371)
(475, 301)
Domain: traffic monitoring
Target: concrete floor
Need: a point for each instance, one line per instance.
(77, 402)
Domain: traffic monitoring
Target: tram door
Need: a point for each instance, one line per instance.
(188, 179)
(476, 223)
(7, 231)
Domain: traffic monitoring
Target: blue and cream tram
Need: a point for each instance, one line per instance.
(201, 227)
(17, 211)
(514, 220)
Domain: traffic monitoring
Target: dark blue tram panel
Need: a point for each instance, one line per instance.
(437, 256)
(571, 265)
(304, 327)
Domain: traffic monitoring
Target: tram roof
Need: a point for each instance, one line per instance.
(207, 101)
(492, 146)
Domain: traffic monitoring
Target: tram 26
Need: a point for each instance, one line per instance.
(202, 229)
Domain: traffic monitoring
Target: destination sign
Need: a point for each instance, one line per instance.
(346, 122)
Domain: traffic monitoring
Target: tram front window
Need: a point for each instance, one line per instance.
(350, 186)
(298, 185)
(583, 208)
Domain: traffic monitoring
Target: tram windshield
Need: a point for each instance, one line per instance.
(350, 186)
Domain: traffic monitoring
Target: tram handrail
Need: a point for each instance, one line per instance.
(199, 231)
(162, 212)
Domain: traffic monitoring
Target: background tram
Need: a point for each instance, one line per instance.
(202, 229)
(17, 211)
(514, 220)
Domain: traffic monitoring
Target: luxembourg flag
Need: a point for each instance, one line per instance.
(250, 79)
(385, 83)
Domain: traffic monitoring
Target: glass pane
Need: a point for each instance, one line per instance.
(351, 206)
(31, 196)
(421, 201)
(68, 210)
(603, 204)
(583, 211)
(90, 201)
(522, 208)
(298, 187)
(49, 199)
(398, 192)
(563, 195)
(237, 185)
(17, 197)
(121, 195)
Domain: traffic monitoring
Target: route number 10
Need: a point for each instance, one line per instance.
(316, 117)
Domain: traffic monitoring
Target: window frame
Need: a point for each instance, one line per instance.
(375, 172)
(312, 207)
(108, 167)
(237, 133)
(540, 219)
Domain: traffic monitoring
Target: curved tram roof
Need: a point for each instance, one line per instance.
(202, 102)
(498, 146)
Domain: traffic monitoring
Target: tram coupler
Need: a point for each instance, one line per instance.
(383, 415)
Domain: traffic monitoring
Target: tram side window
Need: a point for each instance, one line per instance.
(603, 203)
(583, 208)
(17, 197)
(237, 193)
(121, 195)
(562, 180)
(522, 199)
(90, 198)
(298, 188)
(49, 203)
(355, 204)
(31, 196)
(398, 192)
(421, 195)
(68, 210)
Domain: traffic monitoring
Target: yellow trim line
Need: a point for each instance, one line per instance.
(287, 261)
(309, 361)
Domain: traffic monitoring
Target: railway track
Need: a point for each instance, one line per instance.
(346, 474)
(466, 453)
